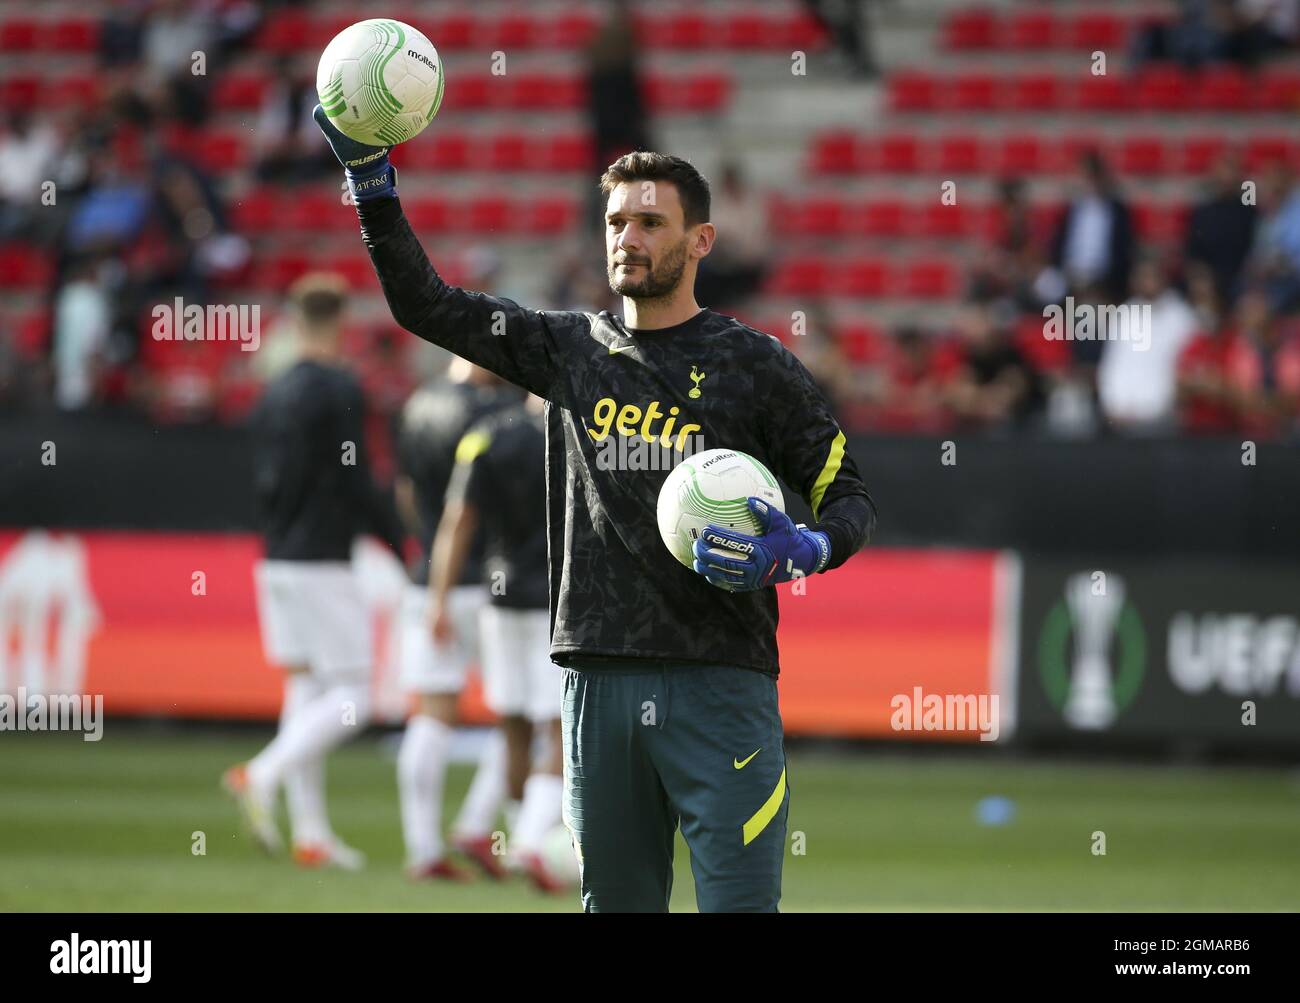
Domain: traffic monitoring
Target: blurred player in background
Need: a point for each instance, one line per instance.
(433, 422)
(498, 491)
(315, 496)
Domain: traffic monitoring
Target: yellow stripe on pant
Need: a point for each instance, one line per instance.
(760, 819)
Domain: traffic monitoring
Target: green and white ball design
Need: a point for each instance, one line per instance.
(380, 81)
(712, 487)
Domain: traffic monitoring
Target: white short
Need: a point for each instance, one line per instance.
(519, 678)
(427, 667)
(312, 614)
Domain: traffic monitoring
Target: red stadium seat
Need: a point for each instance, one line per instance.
(835, 153)
(1264, 150)
(1035, 92)
(817, 217)
(17, 34)
(82, 90)
(567, 153)
(550, 216)
(510, 31)
(862, 277)
(256, 211)
(970, 29)
(431, 214)
(912, 91)
(1222, 88)
(1104, 93)
(1032, 29)
(217, 151)
(18, 92)
(960, 154)
(861, 343)
(571, 30)
(799, 276)
(934, 219)
(24, 267)
(283, 31)
(355, 266)
(450, 151)
(450, 31)
(507, 152)
(1022, 154)
(1096, 30)
(490, 214)
(975, 92)
(1144, 155)
(881, 218)
(795, 30)
(930, 279)
(1277, 90)
(70, 34)
(896, 153)
(1200, 152)
(1163, 88)
(745, 30)
(239, 92)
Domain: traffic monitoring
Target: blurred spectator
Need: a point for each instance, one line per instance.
(615, 103)
(910, 395)
(1222, 228)
(1206, 399)
(846, 21)
(28, 157)
(82, 324)
(734, 268)
(289, 144)
(1093, 242)
(823, 356)
(993, 385)
(1264, 368)
(1275, 256)
(1137, 377)
(1215, 31)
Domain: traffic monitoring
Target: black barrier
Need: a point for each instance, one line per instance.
(1136, 650)
(1048, 496)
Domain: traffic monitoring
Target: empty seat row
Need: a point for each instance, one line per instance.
(1029, 29)
(59, 34)
(1027, 153)
(832, 216)
(873, 277)
(754, 28)
(263, 211)
(1160, 88)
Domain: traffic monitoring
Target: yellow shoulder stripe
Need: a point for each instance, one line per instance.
(758, 822)
(827, 476)
(472, 445)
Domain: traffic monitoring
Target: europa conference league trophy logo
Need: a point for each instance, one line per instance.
(1090, 690)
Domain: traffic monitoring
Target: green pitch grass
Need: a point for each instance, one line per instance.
(110, 826)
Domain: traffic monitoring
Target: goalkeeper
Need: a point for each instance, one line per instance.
(669, 710)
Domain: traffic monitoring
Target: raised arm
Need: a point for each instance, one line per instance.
(497, 334)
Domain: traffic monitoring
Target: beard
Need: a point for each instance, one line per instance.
(656, 281)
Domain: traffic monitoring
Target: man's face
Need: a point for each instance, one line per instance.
(647, 244)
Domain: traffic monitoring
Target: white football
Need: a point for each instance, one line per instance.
(380, 81)
(712, 487)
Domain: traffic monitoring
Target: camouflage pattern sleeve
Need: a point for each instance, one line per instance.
(515, 343)
(812, 456)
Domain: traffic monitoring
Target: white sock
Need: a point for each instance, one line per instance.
(421, 769)
(540, 814)
(487, 790)
(304, 785)
(511, 812)
(320, 725)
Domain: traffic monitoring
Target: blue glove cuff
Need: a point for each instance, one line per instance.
(823, 544)
(373, 186)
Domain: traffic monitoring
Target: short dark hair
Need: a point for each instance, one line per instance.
(319, 296)
(646, 166)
